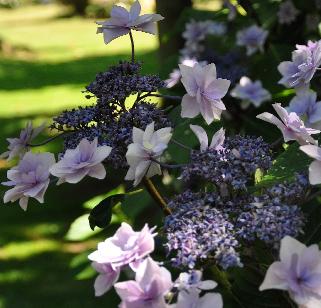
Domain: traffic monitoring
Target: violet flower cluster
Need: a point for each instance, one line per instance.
(213, 227)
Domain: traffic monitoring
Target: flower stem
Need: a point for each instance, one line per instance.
(46, 141)
(175, 98)
(156, 195)
(181, 144)
(133, 46)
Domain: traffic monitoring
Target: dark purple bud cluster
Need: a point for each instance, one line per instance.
(274, 214)
(197, 231)
(122, 80)
(75, 118)
(109, 120)
(207, 226)
(234, 166)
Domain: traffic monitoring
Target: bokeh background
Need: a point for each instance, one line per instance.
(49, 51)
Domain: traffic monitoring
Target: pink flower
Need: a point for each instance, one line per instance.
(106, 279)
(121, 22)
(298, 272)
(204, 92)
(315, 167)
(19, 146)
(193, 281)
(291, 125)
(217, 140)
(30, 178)
(125, 247)
(151, 284)
(84, 160)
(147, 147)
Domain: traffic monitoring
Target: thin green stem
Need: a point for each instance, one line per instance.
(132, 45)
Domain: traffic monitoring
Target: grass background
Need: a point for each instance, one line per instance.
(47, 61)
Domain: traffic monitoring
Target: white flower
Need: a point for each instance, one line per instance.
(121, 22)
(204, 92)
(298, 272)
(315, 167)
(30, 178)
(217, 140)
(253, 38)
(251, 92)
(147, 147)
(84, 160)
(19, 146)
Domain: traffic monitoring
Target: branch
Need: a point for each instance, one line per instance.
(156, 195)
(46, 141)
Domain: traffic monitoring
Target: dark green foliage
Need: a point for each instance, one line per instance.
(100, 215)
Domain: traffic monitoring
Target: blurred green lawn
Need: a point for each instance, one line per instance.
(54, 58)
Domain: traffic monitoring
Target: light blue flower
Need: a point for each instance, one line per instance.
(253, 38)
(306, 106)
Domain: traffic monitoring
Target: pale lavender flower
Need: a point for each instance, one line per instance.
(298, 272)
(305, 61)
(84, 160)
(253, 38)
(107, 277)
(305, 105)
(217, 140)
(19, 146)
(193, 300)
(315, 167)
(30, 178)
(291, 126)
(175, 76)
(204, 92)
(151, 284)
(251, 92)
(287, 12)
(142, 155)
(121, 22)
(126, 247)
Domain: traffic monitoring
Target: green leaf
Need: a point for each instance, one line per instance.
(100, 216)
(285, 166)
(80, 230)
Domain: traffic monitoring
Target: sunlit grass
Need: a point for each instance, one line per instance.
(63, 56)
